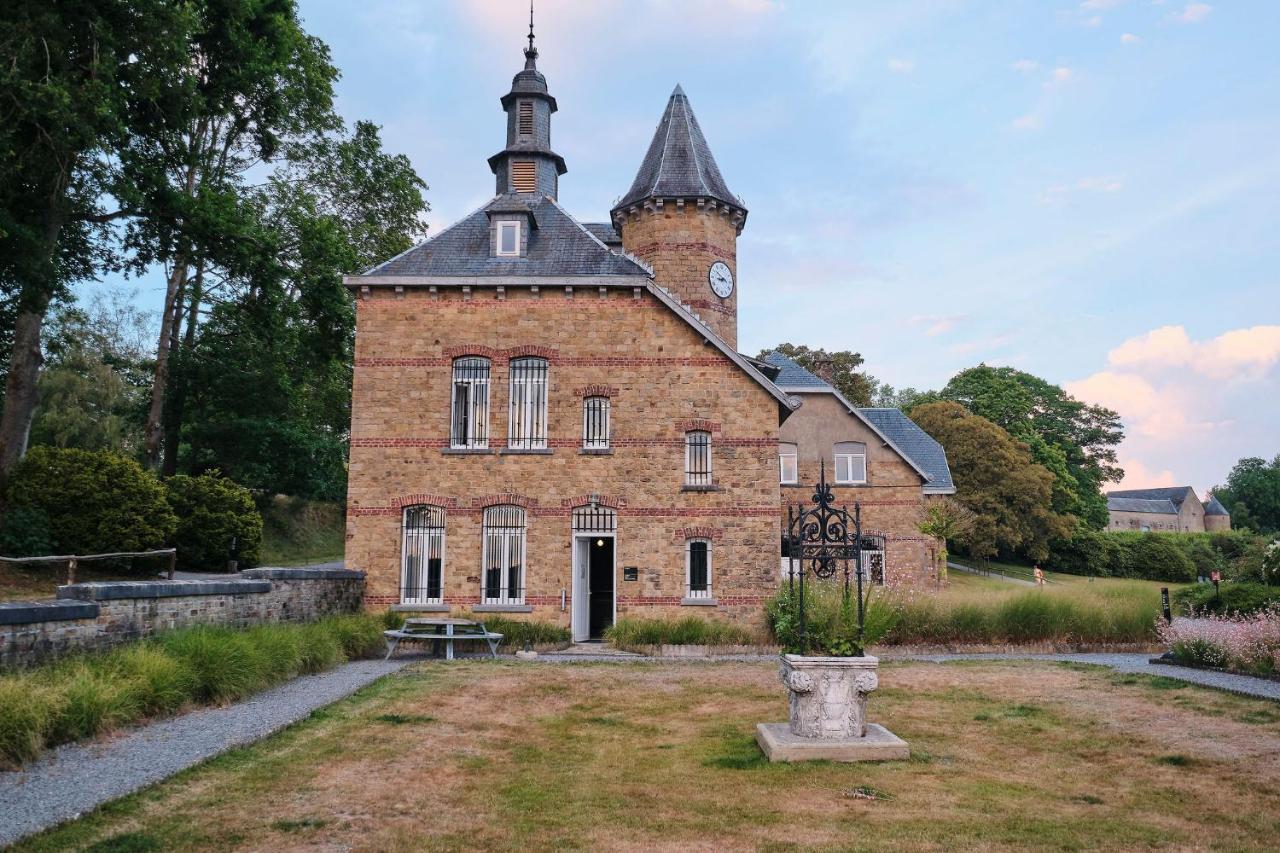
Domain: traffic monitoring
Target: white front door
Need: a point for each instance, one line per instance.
(580, 602)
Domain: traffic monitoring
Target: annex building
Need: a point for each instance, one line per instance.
(551, 417)
(1172, 509)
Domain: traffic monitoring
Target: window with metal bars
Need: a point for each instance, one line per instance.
(524, 176)
(697, 458)
(422, 556)
(504, 555)
(525, 118)
(697, 562)
(595, 423)
(469, 419)
(528, 422)
(594, 519)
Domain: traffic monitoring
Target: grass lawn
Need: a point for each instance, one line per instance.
(297, 532)
(506, 756)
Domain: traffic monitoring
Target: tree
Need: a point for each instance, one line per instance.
(1252, 494)
(838, 368)
(948, 521)
(1075, 441)
(906, 399)
(74, 77)
(1009, 494)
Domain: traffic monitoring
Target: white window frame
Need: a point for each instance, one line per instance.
(505, 539)
(432, 540)
(508, 225)
(477, 437)
(689, 591)
(699, 478)
(792, 453)
(527, 391)
(845, 476)
(598, 442)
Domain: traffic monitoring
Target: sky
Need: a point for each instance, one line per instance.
(1088, 190)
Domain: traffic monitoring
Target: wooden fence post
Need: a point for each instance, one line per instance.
(71, 570)
(173, 563)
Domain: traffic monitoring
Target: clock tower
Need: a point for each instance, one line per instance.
(680, 218)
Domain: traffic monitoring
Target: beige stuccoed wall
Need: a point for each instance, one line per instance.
(662, 379)
(1217, 523)
(892, 501)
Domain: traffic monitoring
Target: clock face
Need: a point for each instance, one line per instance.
(721, 279)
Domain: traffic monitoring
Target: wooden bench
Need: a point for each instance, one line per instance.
(442, 631)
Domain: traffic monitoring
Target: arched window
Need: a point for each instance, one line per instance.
(851, 462)
(422, 556)
(504, 555)
(697, 458)
(595, 423)
(788, 462)
(697, 568)
(528, 423)
(469, 420)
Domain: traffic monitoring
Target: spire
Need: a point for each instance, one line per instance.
(531, 52)
(679, 163)
(527, 164)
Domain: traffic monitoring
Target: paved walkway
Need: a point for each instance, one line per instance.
(76, 778)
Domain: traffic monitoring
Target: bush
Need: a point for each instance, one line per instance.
(87, 695)
(1239, 598)
(211, 511)
(94, 501)
(1175, 557)
(24, 532)
(830, 622)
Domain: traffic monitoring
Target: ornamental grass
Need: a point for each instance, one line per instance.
(87, 695)
(631, 633)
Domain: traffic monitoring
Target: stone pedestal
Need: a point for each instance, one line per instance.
(828, 698)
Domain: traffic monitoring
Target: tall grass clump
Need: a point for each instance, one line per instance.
(517, 633)
(632, 633)
(90, 694)
(830, 619)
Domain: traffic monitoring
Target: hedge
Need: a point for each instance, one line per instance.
(1238, 598)
(211, 512)
(1175, 557)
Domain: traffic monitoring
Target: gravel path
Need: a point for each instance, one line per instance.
(77, 778)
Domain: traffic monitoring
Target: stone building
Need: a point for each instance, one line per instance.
(550, 417)
(1174, 509)
(877, 458)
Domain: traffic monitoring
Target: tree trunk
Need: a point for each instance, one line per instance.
(160, 382)
(20, 396)
(175, 411)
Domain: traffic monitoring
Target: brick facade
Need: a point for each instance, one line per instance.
(662, 379)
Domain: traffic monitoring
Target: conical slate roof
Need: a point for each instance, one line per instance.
(678, 163)
(1215, 507)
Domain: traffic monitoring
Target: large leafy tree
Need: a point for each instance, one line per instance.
(838, 368)
(1252, 494)
(1075, 441)
(268, 379)
(75, 75)
(997, 479)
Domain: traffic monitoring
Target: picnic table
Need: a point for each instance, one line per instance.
(442, 630)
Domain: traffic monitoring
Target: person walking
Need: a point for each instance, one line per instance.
(1039, 573)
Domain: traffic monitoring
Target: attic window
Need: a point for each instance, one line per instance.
(508, 239)
(524, 176)
(526, 118)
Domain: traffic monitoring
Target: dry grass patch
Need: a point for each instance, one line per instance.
(496, 755)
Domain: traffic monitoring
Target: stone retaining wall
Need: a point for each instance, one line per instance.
(88, 616)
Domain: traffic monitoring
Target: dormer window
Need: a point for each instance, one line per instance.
(509, 239)
(524, 176)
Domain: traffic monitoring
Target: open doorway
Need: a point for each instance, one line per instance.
(593, 599)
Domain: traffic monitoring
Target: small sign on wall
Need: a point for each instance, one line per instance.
(631, 573)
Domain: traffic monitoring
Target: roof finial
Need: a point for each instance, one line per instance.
(530, 52)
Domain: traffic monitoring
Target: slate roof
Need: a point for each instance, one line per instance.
(1164, 506)
(603, 231)
(1215, 507)
(1174, 494)
(916, 443)
(679, 163)
(913, 444)
(558, 246)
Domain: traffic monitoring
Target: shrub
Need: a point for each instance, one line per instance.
(830, 622)
(211, 511)
(24, 532)
(94, 501)
(1153, 556)
(633, 633)
(1250, 643)
(1230, 597)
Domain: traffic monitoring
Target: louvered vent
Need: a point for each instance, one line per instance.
(526, 118)
(524, 176)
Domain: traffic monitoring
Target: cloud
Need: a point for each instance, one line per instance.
(1058, 193)
(1060, 77)
(937, 324)
(1095, 21)
(1030, 121)
(1241, 354)
(1026, 66)
(1193, 13)
(902, 66)
(1129, 38)
(1100, 5)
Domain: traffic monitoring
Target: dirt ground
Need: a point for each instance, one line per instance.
(501, 756)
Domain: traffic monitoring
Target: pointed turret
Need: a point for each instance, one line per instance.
(681, 218)
(679, 163)
(527, 164)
